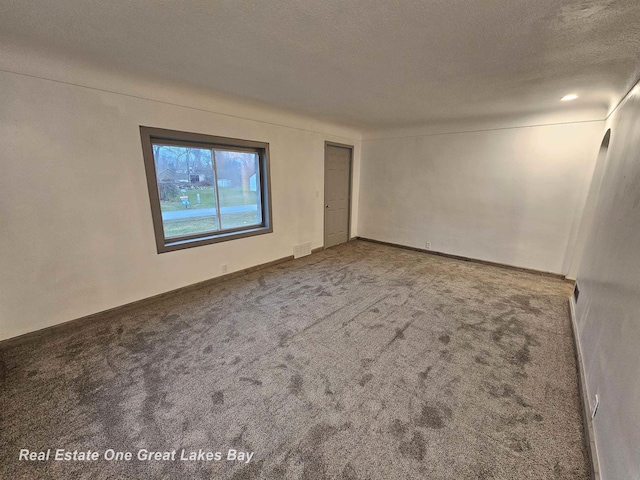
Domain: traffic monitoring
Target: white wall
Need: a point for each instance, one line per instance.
(608, 308)
(586, 222)
(507, 195)
(76, 233)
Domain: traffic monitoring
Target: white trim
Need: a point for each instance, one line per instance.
(592, 450)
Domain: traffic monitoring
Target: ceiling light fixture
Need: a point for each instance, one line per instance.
(568, 98)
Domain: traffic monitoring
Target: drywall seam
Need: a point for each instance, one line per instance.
(587, 423)
(456, 132)
(164, 102)
(624, 97)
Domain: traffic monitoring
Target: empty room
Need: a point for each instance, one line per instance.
(320, 240)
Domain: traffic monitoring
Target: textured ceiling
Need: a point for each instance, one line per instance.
(369, 64)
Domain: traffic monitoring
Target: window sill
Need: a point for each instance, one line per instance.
(170, 246)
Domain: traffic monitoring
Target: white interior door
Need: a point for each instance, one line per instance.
(337, 190)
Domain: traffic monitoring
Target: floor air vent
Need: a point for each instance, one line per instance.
(302, 250)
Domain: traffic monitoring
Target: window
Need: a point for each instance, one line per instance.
(205, 189)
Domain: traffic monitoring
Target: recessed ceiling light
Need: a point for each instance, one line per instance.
(568, 98)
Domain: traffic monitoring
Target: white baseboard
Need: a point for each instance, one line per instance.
(584, 396)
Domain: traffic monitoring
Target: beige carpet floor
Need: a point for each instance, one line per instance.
(363, 361)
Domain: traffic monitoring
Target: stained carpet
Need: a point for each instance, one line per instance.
(359, 362)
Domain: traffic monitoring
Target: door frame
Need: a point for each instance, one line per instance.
(324, 188)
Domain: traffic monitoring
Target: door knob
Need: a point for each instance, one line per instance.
(326, 206)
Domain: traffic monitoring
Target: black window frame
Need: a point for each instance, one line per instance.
(151, 135)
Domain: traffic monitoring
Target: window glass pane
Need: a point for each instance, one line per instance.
(239, 188)
(205, 189)
(186, 188)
